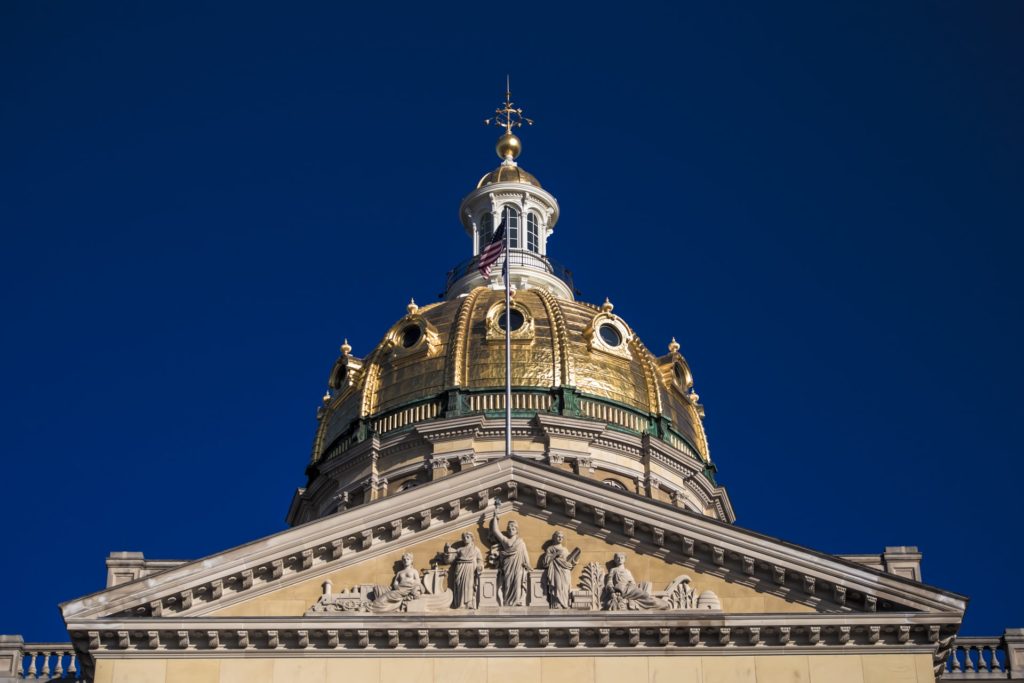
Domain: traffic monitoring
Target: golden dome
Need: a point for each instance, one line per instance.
(508, 174)
(558, 347)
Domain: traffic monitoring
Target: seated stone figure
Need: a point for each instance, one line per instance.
(623, 593)
(407, 593)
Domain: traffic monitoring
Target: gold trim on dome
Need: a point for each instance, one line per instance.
(509, 174)
(564, 374)
(457, 370)
(427, 344)
(345, 373)
(650, 373)
(371, 392)
(493, 322)
(467, 354)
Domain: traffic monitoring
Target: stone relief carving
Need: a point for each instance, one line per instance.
(466, 564)
(558, 563)
(622, 592)
(408, 593)
(513, 562)
(510, 581)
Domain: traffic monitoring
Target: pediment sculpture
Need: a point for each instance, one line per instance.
(407, 593)
(617, 590)
(466, 563)
(508, 580)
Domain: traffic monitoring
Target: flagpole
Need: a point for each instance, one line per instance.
(508, 344)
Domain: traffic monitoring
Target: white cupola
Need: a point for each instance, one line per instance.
(529, 212)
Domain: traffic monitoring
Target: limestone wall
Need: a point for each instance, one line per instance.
(766, 668)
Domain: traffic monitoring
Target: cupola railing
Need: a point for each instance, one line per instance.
(519, 258)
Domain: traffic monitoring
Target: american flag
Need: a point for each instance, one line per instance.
(489, 255)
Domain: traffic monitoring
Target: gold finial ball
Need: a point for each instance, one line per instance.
(345, 348)
(508, 147)
(412, 307)
(327, 396)
(607, 305)
(673, 345)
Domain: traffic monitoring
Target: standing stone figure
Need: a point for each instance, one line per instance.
(513, 563)
(558, 564)
(466, 562)
(622, 590)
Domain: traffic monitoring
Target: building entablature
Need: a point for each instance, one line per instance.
(467, 634)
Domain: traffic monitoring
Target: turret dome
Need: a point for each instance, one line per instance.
(508, 173)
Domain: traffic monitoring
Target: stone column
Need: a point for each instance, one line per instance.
(11, 655)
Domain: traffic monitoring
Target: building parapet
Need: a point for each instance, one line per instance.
(981, 658)
(37, 661)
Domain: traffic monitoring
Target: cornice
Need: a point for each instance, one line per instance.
(568, 633)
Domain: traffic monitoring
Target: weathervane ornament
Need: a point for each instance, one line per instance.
(508, 117)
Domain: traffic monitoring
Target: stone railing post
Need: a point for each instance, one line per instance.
(12, 652)
(1014, 640)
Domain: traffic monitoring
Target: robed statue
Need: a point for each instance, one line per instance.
(558, 563)
(513, 562)
(466, 562)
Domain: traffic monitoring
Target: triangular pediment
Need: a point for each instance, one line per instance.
(283, 575)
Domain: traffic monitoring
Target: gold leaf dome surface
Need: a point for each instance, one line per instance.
(557, 346)
(507, 173)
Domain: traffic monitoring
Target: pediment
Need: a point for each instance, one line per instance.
(283, 575)
(684, 585)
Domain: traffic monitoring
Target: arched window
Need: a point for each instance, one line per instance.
(532, 233)
(486, 229)
(511, 219)
(614, 484)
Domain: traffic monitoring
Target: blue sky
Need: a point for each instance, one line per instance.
(820, 201)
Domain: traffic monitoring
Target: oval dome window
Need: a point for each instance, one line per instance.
(410, 335)
(515, 318)
(610, 335)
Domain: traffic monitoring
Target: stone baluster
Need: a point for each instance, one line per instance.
(37, 661)
(44, 672)
(954, 663)
(990, 661)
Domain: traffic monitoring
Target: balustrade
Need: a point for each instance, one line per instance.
(49, 662)
(985, 658)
